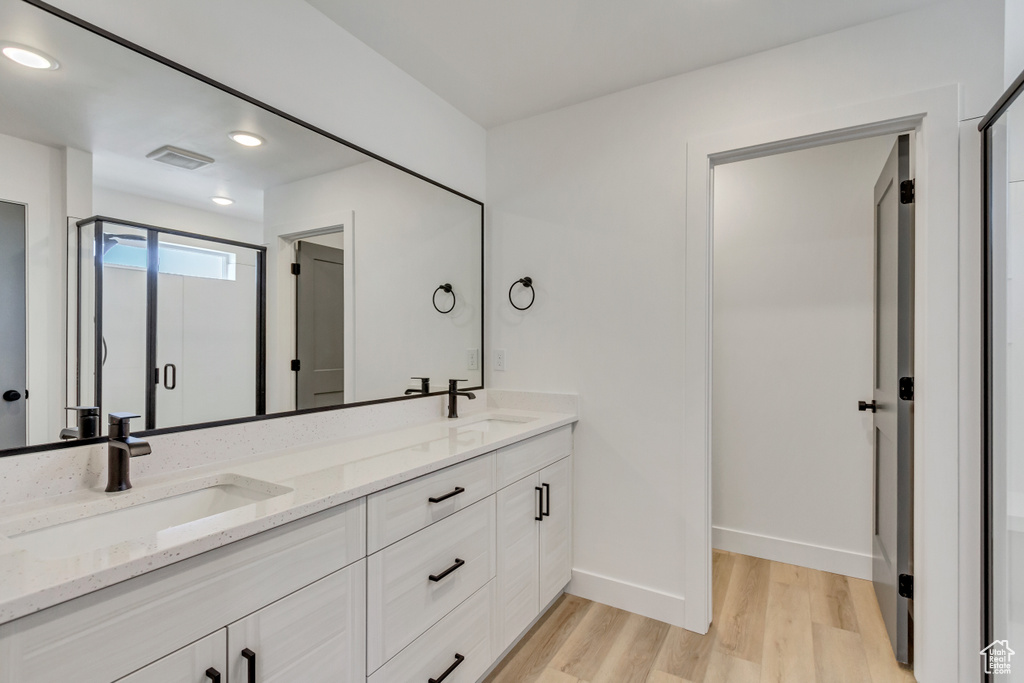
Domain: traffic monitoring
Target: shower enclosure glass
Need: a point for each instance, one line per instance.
(171, 324)
(1003, 388)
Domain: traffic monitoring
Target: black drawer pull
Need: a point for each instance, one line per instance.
(546, 512)
(250, 657)
(213, 675)
(446, 572)
(459, 659)
(438, 499)
(540, 503)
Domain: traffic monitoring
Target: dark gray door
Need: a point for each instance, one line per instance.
(13, 377)
(893, 419)
(319, 326)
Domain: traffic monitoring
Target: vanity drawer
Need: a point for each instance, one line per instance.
(527, 457)
(403, 600)
(465, 632)
(402, 510)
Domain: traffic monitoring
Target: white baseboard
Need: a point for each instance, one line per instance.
(646, 602)
(819, 557)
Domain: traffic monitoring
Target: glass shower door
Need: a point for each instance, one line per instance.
(172, 325)
(206, 331)
(1003, 410)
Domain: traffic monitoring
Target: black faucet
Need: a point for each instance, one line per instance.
(88, 421)
(120, 448)
(424, 386)
(453, 396)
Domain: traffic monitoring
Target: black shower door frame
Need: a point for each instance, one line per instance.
(153, 233)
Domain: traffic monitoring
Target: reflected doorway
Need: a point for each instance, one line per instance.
(320, 322)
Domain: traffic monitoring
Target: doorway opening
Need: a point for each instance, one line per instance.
(315, 278)
(811, 333)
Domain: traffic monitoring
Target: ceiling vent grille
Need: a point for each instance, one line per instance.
(181, 158)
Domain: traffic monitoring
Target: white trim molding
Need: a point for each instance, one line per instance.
(933, 115)
(646, 602)
(835, 560)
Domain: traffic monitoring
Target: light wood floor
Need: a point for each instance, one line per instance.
(772, 622)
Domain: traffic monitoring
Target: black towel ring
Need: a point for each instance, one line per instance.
(525, 282)
(447, 288)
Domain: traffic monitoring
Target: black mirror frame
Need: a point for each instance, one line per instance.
(103, 33)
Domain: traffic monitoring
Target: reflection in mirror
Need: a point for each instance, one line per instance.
(176, 251)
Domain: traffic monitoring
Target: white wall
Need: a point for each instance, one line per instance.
(590, 200)
(133, 207)
(793, 353)
(292, 57)
(409, 237)
(37, 175)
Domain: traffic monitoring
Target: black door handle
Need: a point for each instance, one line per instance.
(170, 385)
(438, 499)
(546, 506)
(12, 395)
(540, 503)
(250, 658)
(213, 675)
(459, 659)
(437, 577)
(864, 406)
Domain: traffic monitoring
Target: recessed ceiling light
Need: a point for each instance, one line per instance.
(246, 139)
(30, 57)
(223, 201)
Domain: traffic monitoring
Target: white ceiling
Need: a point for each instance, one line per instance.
(120, 106)
(502, 61)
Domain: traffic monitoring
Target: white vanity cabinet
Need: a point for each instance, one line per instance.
(315, 635)
(431, 579)
(105, 635)
(534, 528)
(204, 660)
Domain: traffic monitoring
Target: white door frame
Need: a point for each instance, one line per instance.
(281, 239)
(934, 116)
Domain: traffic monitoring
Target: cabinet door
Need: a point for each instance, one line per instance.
(555, 530)
(518, 563)
(204, 661)
(315, 635)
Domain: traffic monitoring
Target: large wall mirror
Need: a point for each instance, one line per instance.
(177, 251)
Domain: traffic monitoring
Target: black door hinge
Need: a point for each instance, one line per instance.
(906, 388)
(295, 365)
(906, 586)
(296, 268)
(907, 192)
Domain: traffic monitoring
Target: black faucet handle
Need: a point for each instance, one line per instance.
(120, 424)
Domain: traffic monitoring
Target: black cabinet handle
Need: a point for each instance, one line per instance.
(459, 659)
(446, 572)
(540, 503)
(865, 406)
(546, 512)
(213, 675)
(457, 491)
(250, 657)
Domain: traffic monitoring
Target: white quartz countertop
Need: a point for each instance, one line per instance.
(299, 481)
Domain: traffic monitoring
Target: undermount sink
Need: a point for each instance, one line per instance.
(491, 423)
(143, 519)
